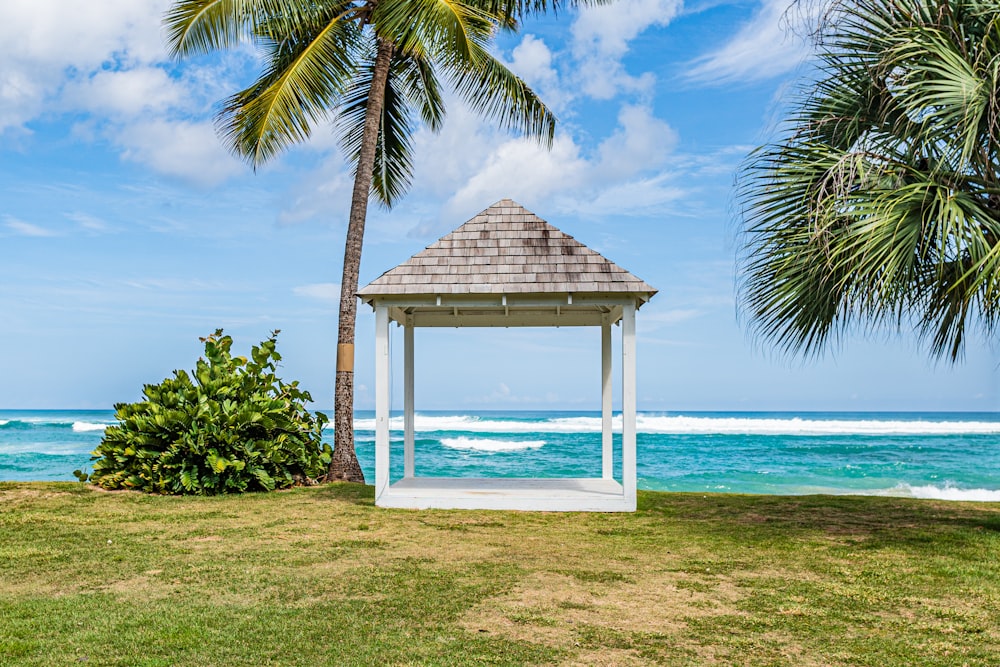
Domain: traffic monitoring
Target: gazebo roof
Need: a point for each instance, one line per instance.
(506, 268)
(506, 249)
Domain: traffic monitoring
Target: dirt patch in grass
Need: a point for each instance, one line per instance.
(689, 579)
(550, 607)
(608, 658)
(143, 587)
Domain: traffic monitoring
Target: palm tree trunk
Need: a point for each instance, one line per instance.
(344, 464)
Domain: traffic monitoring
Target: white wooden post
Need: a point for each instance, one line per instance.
(628, 402)
(408, 454)
(607, 451)
(381, 400)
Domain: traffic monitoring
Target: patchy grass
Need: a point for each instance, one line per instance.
(321, 577)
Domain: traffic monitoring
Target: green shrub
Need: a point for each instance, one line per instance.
(234, 427)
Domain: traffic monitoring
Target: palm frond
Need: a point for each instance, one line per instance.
(879, 205)
(393, 169)
(419, 83)
(201, 26)
(455, 36)
(513, 12)
(498, 94)
(431, 28)
(307, 72)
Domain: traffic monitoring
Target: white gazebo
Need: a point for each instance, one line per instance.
(506, 267)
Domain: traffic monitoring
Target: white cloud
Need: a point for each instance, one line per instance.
(641, 142)
(187, 150)
(645, 196)
(89, 223)
(601, 36)
(522, 170)
(531, 60)
(125, 92)
(324, 192)
(772, 43)
(326, 292)
(655, 320)
(573, 181)
(607, 29)
(106, 59)
(22, 228)
(20, 97)
(469, 165)
(43, 41)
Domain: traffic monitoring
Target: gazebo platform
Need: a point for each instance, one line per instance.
(554, 495)
(506, 267)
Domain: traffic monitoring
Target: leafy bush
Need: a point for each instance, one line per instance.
(234, 427)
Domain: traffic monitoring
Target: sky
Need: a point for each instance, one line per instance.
(127, 231)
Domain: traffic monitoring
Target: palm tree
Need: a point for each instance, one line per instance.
(879, 204)
(371, 67)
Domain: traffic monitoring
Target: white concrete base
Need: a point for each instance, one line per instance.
(545, 495)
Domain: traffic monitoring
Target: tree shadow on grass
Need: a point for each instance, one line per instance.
(348, 492)
(859, 516)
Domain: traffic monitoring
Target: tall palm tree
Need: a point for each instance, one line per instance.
(371, 67)
(879, 204)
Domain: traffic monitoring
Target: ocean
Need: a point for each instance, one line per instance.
(952, 456)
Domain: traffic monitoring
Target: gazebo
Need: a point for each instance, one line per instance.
(506, 267)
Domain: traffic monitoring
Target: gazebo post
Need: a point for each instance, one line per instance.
(628, 402)
(607, 452)
(408, 425)
(478, 276)
(381, 399)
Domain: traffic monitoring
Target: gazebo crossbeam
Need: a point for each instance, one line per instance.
(507, 268)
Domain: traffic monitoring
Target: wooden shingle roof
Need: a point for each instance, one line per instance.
(506, 249)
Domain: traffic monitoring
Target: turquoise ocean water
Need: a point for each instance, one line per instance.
(929, 455)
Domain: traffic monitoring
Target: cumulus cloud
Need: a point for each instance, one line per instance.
(643, 196)
(522, 170)
(187, 150)
(572, 179)
(601, 36)
(126, 93)
(469, 165)
(640, 142)
(772, 43)
(42, 40)
(107, 60)
(532, 60)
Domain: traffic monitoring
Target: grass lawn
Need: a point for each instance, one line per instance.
(320, 576)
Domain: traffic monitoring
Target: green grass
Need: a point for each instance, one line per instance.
(320, 576)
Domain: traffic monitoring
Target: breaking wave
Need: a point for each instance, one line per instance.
(490, 445)
(40, 424)
(946, 492)
(682, 425)
(82, 427)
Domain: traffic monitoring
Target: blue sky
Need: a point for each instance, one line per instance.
(127, 231)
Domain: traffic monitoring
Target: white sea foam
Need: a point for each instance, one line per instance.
(4, 422)
(48, 448)
(681, 425)
(490, 445)
(947, 492)
(81, 427)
